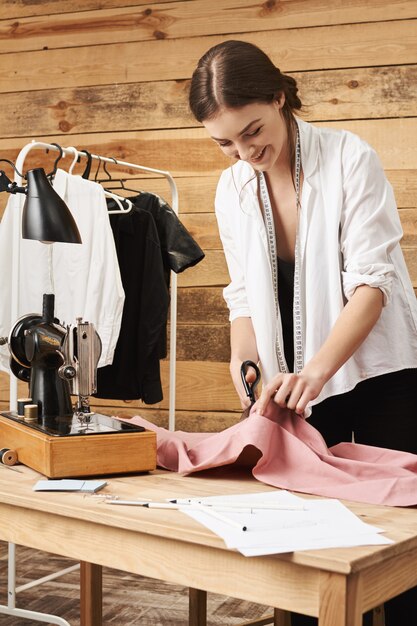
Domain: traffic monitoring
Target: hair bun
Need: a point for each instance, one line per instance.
(291, 90)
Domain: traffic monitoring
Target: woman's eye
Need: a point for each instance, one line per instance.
(224, 144)
(255, 132)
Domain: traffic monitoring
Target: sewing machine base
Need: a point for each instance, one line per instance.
(65, 448)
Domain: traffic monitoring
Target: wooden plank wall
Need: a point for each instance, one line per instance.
(112, 76)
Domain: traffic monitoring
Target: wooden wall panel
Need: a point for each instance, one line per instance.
(327, 95)
(112, 76)
(291, 13)
(11, 9)
(175, 20)
(324, 47)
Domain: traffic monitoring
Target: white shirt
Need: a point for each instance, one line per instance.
(85, 278)
(349, 233)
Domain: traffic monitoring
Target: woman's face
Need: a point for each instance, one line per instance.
(255, 133)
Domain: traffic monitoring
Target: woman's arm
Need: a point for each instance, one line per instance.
(352, 327)
(243, 348)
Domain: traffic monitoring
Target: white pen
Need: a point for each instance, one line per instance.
(219, 516)
(242, 504)
(181, 507)
(147, 504)
(175, 504)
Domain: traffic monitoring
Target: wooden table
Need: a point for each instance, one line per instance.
(337, 585)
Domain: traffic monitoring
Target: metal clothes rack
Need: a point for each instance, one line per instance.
(12, 590)
(173, 303)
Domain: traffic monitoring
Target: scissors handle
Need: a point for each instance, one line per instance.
(250, 387)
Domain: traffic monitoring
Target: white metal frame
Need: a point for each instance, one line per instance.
(12, 590)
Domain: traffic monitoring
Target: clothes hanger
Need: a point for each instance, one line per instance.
(58, 158)
(119, 201)
(75, 160)
(87, 170)
(121, 185)
(120, 181)
(97, 171)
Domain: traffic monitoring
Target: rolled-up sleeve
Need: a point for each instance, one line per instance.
(370, 224)
(235, 293)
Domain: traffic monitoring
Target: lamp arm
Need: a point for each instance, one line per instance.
(7, 185)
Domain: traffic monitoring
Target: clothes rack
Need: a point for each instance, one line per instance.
(11, 608)
(79, 154)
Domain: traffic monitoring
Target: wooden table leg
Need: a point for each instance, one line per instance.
(340, 600)
(282, 618)
(378, 616)
(91, 610)
(197, 603)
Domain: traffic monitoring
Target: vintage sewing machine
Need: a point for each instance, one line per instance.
(48, 433)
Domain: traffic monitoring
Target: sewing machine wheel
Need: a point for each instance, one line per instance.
(17, 338)
(21, 372)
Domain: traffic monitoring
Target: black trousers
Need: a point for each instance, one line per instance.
(380, 411)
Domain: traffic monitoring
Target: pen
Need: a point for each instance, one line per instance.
(177, 504)
(179, 507)
(220, 517)
(242, 504)
(147, 504)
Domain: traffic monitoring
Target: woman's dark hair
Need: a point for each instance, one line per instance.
(233, 74)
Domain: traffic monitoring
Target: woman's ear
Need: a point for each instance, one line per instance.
(280, 100)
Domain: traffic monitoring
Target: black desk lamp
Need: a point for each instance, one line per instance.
(46, 217)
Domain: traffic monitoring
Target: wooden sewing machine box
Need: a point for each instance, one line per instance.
(68, 456)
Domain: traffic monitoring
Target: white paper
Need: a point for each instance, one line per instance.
(324, 523)
(373, 539)
(69, 484)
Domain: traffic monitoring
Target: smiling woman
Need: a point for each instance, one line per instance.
(320, 294)
(227, 79)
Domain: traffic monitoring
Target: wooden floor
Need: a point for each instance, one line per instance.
(127, 599)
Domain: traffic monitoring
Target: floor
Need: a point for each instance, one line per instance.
(128, 599)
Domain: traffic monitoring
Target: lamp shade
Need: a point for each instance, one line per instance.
(46, 217)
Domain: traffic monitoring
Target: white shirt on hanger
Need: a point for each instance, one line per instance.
(85, 278)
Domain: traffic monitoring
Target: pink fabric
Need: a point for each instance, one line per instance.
(293, 455)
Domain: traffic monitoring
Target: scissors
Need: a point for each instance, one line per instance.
(249, 387)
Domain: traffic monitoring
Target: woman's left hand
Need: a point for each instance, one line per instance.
(292, 391)
(295, 391)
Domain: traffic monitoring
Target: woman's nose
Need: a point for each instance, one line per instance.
(244, 152)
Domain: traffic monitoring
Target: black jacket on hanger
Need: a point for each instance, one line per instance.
(150, 241)
(179, 250)
(135, 371)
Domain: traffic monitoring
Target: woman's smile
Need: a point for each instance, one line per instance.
(258, 156)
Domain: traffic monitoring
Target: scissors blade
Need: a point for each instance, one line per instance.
(246, 412)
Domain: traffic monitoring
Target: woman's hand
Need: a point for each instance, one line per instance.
(292, 391)
(358, 317)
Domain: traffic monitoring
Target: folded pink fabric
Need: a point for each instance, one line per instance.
(291, 454)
